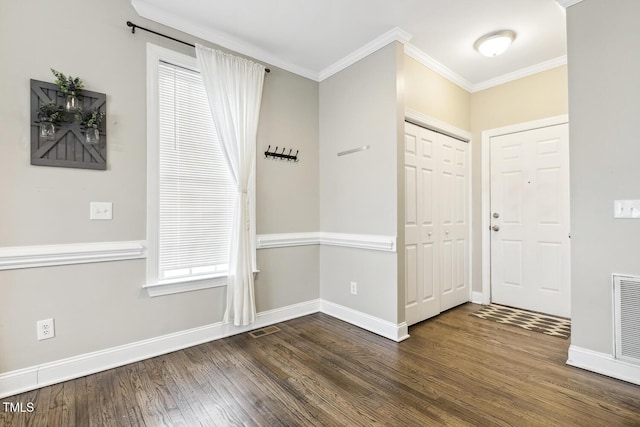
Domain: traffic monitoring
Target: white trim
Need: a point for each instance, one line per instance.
(477, 297)
(604, 364)
(395, 34)
(465, 84)
(16, 257)
(567, 3)
(435, 66)
(154, 13)
(236, 44)
(392, 331)
(358, 241)
(23, 380)
(192, 284)
(519, 74)
(486, 189)
(432, 123)
(285, 240)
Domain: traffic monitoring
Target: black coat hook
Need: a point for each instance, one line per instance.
(281, 155)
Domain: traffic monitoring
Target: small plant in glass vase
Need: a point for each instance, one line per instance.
(70, 88)
(49, 117)
(91, 121)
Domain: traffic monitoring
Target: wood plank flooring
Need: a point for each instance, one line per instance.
(455, 369)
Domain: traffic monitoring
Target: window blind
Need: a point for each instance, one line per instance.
(196, 191)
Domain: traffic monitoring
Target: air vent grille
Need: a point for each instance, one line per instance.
(626, 291)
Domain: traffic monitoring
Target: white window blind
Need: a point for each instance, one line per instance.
(196, 194)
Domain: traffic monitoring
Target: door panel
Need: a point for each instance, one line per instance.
(454, 222)
(530, 247)
(422, 288)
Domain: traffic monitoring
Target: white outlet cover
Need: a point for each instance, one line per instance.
(46, 329)
(101, 210)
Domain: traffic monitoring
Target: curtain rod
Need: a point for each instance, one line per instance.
(133, 31)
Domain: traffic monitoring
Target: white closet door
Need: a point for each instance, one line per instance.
(421, 258)
(436, 223)
(454, 222)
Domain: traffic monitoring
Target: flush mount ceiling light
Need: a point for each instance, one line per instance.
(495, 43)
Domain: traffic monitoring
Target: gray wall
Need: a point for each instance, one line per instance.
(604, 106)
(361, 105)
(97, 306)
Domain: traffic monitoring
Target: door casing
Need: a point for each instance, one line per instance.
(485, 296)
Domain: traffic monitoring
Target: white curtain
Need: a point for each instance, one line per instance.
(234, 89)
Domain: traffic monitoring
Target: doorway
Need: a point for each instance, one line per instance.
(528, 217)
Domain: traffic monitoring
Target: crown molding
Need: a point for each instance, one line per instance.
(235, 44)
(395, 34)
(567, 3)
(437, 67)
(219, 38)
(518, 74)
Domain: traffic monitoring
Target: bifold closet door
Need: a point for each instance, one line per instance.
(421, 259)
(436, 223)
(453, 221)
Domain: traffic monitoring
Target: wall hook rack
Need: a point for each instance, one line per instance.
(275, 155)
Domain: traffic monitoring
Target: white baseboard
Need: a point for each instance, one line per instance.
(23, 380)
(604, 364)
(477, 298)
(392, 331)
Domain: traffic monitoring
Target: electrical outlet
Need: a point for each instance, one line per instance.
(354, 288)
(46, 329)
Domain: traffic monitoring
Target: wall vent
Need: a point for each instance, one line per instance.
(626, 300)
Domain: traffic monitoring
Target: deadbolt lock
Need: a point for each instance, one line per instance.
(496, 215)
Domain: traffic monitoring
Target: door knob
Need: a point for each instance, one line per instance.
(495, 228)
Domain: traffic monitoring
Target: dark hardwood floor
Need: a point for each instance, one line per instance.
(455, 369)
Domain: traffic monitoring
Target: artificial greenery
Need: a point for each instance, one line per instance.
(67, 85)
(51, 112)
(92, 118)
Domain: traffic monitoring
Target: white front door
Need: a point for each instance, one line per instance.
(530, 251)
(436, 223)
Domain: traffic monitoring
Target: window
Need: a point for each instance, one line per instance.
(190, 191)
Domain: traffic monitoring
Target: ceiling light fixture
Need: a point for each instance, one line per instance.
(495, 43)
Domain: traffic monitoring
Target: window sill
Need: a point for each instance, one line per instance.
(168, 287)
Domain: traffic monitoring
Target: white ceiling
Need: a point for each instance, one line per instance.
(316, 38)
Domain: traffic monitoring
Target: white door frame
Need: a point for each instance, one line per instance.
(486, 189)
(432, 123)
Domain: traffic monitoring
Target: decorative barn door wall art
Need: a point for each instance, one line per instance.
(61, 137)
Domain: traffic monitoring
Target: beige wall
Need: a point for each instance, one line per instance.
(429, 93)
(360, 106)
(530, 98)
(604, 99)
(535, 97)
(97, 306)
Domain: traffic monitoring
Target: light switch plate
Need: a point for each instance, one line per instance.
(101, 210)
(626, 209)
